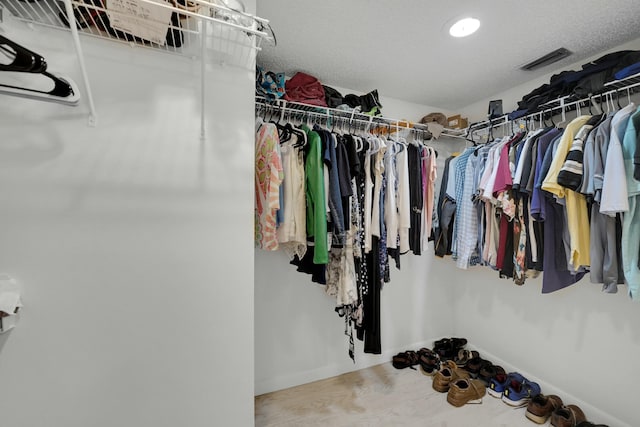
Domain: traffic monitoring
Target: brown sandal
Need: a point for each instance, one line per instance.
(405, 359)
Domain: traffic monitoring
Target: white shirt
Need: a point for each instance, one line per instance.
(378, 169)
(390, 198)
(517, 177)
(404, 205)
(614, 186)
(368, 196)
(292, 233)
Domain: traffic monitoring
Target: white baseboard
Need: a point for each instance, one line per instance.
(332, 370)
(595, 415)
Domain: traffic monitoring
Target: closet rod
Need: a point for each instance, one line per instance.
(370, 123)
(284, 106)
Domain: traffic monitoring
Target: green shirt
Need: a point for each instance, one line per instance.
(316, 212)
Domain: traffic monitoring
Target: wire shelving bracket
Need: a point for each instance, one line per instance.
(190, 28)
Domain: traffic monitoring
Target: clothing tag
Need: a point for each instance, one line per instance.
(140, 19)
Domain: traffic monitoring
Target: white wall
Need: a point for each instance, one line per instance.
(299, 338)
(133, 244)
(510, 97)
(578, 342)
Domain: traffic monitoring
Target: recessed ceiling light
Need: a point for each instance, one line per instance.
(464, 27)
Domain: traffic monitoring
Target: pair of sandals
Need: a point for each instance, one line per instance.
(405, 359)
(427, 359)
(476, 366)
(448, 348)
(465, 356)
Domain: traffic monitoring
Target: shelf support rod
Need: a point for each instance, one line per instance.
(203, 71)
(93, 116)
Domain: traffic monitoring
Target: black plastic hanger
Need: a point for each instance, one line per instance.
(25, 61)
(283, 132)
(469, 136)
(302, 137)
(290, 131)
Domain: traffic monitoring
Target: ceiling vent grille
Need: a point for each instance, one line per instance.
(547, 59)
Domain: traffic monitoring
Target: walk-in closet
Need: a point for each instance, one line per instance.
(278, 213)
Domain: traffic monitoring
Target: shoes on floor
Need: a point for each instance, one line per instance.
(567, 416)
(519, 392)
(465, 391)
(459, 342)
(499, 383)
(463, 356)
(429, 361)
(448, 374)
(405, 359)
(475, 365)
(489, 371)
(541, 407)
(447, 348)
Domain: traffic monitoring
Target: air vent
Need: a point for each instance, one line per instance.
(547, 59)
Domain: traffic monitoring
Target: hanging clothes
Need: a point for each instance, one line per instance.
(576, 206)
(316, 211)
(430, 172)
(445, 212)
(416, 197)
(614, 196)
(268, 176)
(631, 224)
(292, 232)
(467, 218)
(605, 230)
(403, 200)
(334, 196)
(369, 332)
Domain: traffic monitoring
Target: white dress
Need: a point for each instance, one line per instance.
(292, 232)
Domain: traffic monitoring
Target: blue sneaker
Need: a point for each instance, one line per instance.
(520, 392)
(500, 383)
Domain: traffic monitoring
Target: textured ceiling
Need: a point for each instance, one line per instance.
(402, 48)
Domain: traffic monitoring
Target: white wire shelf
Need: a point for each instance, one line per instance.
(345, 118)
(630, 85)
(623, 83)
(184, 27)
(197, 29)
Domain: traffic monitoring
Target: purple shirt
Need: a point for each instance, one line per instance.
(537, 207)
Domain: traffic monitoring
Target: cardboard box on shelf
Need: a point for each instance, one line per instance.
(457, 122)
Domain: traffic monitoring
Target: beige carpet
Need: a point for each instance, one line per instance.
(379, 396)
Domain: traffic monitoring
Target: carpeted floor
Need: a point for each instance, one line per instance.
(379, 396)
